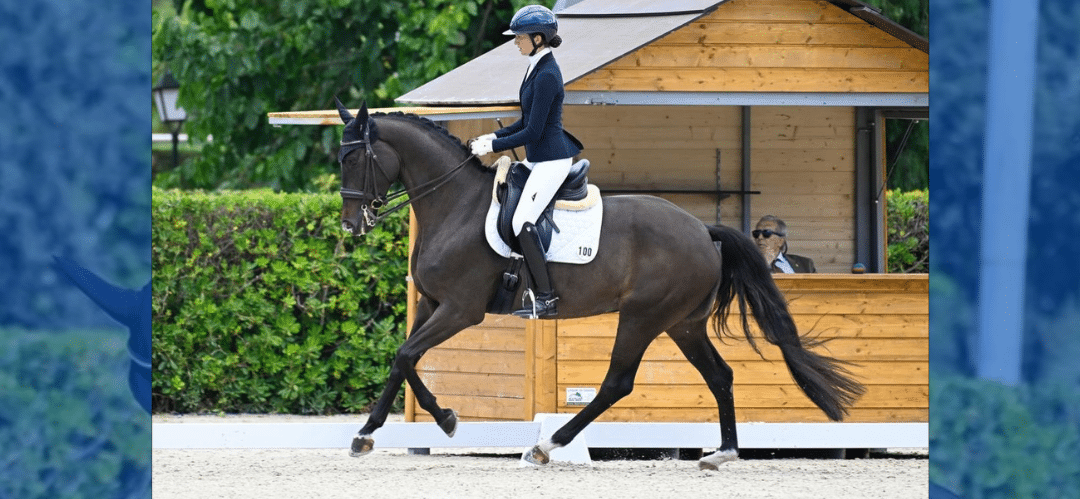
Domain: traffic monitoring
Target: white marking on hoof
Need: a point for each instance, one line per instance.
(361, 445)
(713, 461)
(539, 455)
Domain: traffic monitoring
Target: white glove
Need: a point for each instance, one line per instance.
(488, 136)
(481, 145)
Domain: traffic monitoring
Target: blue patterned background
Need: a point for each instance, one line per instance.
(74, 182)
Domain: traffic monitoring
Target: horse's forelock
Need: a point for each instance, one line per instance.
(355, 131)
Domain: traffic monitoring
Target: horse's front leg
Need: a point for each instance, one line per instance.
(442, 323)
(363, 443)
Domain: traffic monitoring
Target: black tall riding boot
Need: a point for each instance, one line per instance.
(544, 295)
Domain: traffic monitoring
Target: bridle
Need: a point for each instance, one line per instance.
(370, 211)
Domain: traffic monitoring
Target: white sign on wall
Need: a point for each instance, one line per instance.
(580, 396)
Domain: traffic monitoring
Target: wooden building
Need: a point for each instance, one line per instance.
(512, 369)
(733, 110)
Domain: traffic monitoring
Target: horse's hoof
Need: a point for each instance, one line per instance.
(361, 444)
(713, 461)
(449, 425)
(536, 456)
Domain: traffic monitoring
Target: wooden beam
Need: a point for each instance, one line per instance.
(753, 80)
(768, 56)
(800, 35)
(805, 11)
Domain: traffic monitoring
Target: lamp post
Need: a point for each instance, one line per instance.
(165, 94)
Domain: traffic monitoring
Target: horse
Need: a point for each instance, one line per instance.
(656, 264)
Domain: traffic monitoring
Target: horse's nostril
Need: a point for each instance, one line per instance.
(347, 227)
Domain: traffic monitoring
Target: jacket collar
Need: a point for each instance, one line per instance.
(535, 58)
(535, 61)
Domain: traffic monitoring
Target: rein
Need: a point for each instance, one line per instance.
(370, 211)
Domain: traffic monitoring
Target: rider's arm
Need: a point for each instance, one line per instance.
(545, 88)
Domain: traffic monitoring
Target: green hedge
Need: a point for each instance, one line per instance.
(909, 232)
(992, 441)
(263, 304)
(69, 426)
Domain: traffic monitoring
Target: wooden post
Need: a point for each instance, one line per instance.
(411, 298)
(540, 359)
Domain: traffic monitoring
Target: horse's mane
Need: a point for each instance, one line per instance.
(439, 129)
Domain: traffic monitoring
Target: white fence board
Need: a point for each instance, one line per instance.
(525, 434)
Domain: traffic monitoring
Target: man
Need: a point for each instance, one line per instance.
(771, 238)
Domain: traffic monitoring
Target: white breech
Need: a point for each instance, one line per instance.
(539, 189)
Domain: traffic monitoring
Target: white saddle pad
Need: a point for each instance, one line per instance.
(576, 241)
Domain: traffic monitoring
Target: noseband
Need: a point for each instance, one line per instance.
(369, 211)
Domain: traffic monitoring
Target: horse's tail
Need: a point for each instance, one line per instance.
(745, 275)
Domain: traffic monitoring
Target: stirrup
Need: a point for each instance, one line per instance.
(543, 306)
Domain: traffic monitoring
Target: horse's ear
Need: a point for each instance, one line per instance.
(363, 113)
(346, 116)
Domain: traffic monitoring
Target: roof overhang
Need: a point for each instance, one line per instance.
(608, 97)
(596, 37)
(331, 117)
(636, 8)
(873, 16)
(600, 32)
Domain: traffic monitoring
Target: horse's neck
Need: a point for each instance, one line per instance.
(428, 162)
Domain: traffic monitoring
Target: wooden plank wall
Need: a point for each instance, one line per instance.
(653, 147)
(803, 163)
(879, 322)
(664, 148)
(467, 129)
(510, 369)
(480, 372)
(769, 46)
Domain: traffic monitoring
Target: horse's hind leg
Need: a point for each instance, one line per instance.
(433, 325)
(693, 340)
(631, 340)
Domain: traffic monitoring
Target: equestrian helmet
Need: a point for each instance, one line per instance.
(534, 19)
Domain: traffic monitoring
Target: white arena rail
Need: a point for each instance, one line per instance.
(526, 433)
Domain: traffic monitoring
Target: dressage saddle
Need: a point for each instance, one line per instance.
(574, 188)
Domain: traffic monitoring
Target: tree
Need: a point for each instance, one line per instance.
(73, 154)
(908, 154)
(909, 169)
(911, 14)
(237, 61)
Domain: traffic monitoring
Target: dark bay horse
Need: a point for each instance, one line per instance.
(656, 265)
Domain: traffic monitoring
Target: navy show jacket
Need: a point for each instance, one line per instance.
(540, 127)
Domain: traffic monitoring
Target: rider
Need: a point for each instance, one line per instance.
(549, 150)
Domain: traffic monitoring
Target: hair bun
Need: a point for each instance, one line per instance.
(555, 41)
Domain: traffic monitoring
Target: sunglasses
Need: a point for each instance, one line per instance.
(767, 233)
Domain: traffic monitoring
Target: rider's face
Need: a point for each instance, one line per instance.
(523, 45)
